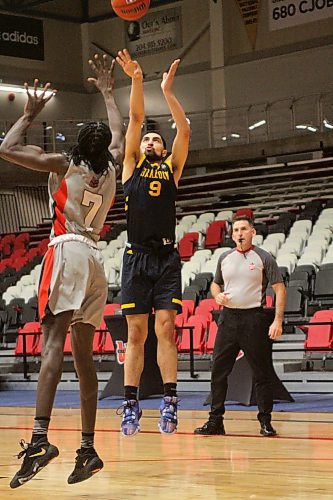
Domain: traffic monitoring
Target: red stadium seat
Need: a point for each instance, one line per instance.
(215, 234)
(269, 301)
(32, 341)
(188, 245)
(208, 305)
(110, 309)
(199, 324)
(179, 321)
(320, 336)
(209, 346)
(98, 342)
(188, 308)
(68, 346)
(107, 345)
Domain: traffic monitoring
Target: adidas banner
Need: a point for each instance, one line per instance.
(21, 37)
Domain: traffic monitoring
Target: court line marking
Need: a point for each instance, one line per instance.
(181, 433)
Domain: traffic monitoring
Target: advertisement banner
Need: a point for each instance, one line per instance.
(249, 10)
(287, 13)
(21, 37)
(155, 32)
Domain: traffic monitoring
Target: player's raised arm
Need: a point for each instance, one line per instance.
(12, 148)
(104, 82)
(181, 141)
(136, 113)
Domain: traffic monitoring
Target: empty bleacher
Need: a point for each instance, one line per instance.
(292, 209)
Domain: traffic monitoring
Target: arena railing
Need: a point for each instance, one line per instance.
(289, 117)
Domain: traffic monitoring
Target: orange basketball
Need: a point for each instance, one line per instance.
(130, 10)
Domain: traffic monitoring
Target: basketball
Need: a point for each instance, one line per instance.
(130, 10)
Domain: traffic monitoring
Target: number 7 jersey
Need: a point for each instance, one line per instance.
(80, 200)
(150, 197)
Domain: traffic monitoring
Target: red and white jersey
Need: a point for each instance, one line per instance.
(80, 200)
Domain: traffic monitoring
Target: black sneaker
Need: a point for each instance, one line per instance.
(36, 457)
(87, 463)
(267, 430)
(211, 428)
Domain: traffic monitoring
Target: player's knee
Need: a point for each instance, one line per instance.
(136, 335)
(85, 368)
(53, 351)
(165, 328)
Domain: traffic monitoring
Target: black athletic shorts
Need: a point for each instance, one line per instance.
(150, 280)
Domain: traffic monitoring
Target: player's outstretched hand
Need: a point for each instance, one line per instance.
(130, 67)
(168, 76)
(37, 98)
(103, 69)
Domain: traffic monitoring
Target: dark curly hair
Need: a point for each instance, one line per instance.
(92, 147)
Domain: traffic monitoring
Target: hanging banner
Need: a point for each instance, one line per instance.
(249, 10)
(155, 32)
(21, 37)
(287, 13)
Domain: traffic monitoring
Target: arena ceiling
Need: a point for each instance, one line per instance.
(75, 11)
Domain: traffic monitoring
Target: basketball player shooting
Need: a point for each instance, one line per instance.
(73, 287)
(151, 275)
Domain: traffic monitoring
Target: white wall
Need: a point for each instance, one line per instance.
(274, 70)
(63, 61)
(289, 62)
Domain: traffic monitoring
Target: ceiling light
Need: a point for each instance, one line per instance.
(327, 124)
(21, 90)
(257, 124)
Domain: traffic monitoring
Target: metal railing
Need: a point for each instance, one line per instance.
(290, 117)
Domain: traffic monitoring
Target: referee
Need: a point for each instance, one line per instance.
(240, 283)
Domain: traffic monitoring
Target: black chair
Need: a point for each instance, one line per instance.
(280, 227)
(294, 303)
(29, 313)
(191, 293)
(285, 273)
(308, 268)
(3, 322)
(300, 275)
(329, 203)
(261, 228)
(303, 284)
(287, 216)
(109, 299)
(116, 300)
(327, 266)
(323, 289)
(202, 284)
(208, 276)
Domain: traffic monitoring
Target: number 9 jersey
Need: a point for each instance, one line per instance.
(80, 200)
(150, 197)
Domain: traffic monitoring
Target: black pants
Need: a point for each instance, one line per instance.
(245, 329)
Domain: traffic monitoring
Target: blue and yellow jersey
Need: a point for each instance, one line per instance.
(150, 196)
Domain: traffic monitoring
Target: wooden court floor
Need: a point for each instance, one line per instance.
(298, 464)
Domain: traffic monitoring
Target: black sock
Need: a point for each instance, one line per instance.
(131, 392)
(87, 439)
(41, 426)
(170, 389)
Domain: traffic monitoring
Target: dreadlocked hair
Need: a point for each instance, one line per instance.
(92, 147)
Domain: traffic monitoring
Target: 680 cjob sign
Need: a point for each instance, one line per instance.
(287, 13)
